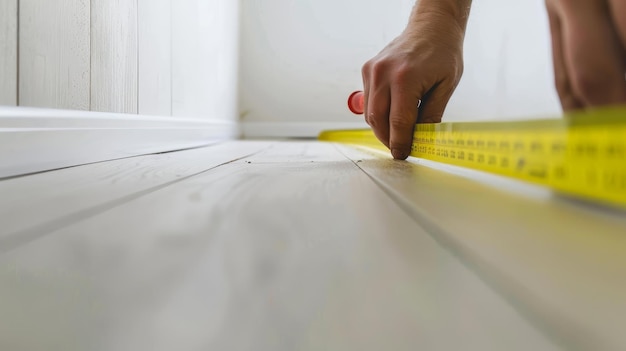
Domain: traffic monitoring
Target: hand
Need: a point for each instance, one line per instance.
(589, 51)
(421, 67)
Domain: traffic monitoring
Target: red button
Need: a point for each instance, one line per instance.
(355, 103)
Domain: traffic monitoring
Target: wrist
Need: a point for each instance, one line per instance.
(448, 15)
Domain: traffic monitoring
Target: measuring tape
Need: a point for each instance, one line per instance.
(582, 155)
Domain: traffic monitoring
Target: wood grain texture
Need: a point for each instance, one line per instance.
(98, 186)
(8, 52)
(54, 60)
(286, 152)
(561, 262)
(253, 256)
(155, 57)
(114, 56)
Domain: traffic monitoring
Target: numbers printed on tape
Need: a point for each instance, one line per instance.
(582, 155)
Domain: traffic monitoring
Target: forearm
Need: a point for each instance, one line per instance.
(456, 11)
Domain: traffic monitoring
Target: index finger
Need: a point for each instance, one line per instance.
(402, 119)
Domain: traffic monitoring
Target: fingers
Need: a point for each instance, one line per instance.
(377, 100)
(398, 77)
(365, 72)
(569, 101)
(434, 102)
(618, 13)
(402, 119)
(378, 112)
(593, 54)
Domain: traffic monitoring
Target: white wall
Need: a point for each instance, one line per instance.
(161, 57)
(301, 59)
(205, 57)
(8, 52)
(508, 63)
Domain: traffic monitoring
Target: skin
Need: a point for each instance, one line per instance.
(589, 51)
(412, 79)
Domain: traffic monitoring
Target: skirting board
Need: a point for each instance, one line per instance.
(256, 130)
(36, 140)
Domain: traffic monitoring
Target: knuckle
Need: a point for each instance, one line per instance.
(366, 69)
(379, 68)
(402, 72)
(373, 121)
(460, 69)
(399, 123)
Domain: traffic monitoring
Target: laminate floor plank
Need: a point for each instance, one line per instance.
(563, 263)
(253, 256)
(297, 152)
(35, 204)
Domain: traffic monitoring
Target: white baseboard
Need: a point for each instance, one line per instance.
(35, 140)
(254, 130)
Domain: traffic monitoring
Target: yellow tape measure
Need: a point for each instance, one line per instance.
(582, 155)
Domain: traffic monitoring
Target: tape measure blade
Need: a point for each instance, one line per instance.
(583, 155)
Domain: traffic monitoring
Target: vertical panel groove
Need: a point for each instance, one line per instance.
(171, 60)
(90, 52)
(8, 52)
(138, 58)
(17, 54)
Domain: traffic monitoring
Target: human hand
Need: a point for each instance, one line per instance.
(589, 51)
(421, 67)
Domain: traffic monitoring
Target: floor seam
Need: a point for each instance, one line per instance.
(493, 278)
(22, 237)
(113, 159)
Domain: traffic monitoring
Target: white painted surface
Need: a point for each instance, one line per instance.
(125, 56)
(54, 57)
(155, 57)
(508, 64)
(35, 140)
(559, 261)
(301, 59)
(8, 52)
(292, 129)
(114, 56)
(99, 186)
(205, 58)
(266, 253)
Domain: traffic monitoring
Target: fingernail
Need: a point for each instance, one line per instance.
(399, 154)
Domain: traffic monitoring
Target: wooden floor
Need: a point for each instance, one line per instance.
(302, 246)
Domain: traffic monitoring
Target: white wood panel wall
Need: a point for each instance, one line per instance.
(114, 56)
(8, 52)
(54, 53)
(155, 57)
